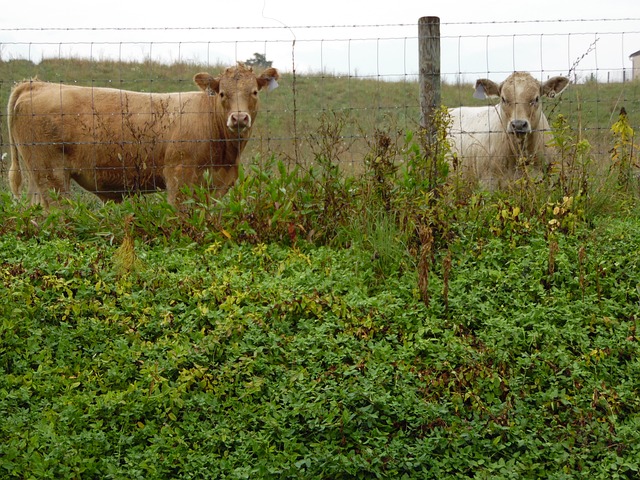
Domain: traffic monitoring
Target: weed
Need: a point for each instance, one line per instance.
(381, 167)
(573, 158)
(624, 154)
(125, 259)
(424, 263)
(446, 273)
(426, 164)
(563, 215)
(327, 145)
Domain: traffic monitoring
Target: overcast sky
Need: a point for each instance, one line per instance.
(365, 38)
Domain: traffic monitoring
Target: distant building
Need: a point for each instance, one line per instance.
(635, 62)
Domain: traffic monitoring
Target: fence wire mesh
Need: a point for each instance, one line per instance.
(342, 83)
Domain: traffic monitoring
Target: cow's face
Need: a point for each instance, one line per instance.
(236, 92)
(520, 94)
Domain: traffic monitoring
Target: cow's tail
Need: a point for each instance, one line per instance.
(15, 174)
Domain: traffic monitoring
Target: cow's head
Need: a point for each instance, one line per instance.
(236, 91)
(520, 108)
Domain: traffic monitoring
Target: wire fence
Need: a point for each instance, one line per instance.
(341, 83)
(387, 52)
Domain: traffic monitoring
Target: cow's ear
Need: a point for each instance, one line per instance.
(485, 88)
(207, 83)
(268, 78)
(554, 86)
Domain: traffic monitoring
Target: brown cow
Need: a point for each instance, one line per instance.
(492, 141)
(115, 142)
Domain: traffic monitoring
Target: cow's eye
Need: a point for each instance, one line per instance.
(535, 101)
(505, 101)
(255, 93)
(221, 95)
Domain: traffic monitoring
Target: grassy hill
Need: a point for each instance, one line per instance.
(305, 105)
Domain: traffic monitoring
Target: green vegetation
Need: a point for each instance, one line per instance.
(321, 321)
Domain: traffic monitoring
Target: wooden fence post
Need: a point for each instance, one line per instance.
(429, 68)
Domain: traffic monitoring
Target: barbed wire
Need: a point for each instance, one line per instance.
(307, 27)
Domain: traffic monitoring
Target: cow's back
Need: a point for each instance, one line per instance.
(478, 141)
(472, 129)
(114, 142)
(110, 141)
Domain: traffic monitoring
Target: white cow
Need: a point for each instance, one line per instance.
(491, 143)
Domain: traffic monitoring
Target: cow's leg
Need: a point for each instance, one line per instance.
(219, 180)
(45, 178)
(223, 178)
(47, 181)
(176, 177)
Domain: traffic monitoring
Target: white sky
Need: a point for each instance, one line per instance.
(374, 37)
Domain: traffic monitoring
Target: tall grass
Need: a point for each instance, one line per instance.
(364, 173)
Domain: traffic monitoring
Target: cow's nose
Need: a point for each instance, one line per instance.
(239, 120)
(520, 126)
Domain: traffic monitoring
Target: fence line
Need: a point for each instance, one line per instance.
(362, 77)
(321, 27)
(460, 42)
